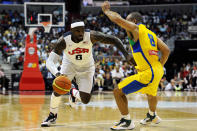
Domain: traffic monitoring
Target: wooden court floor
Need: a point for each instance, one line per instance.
(24, 111)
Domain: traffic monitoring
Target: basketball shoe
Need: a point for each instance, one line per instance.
(72, 99)
(124, 125)
(51, 119)
(151, 119)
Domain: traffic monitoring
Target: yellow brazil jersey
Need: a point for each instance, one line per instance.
(145, 50)
(150, 70)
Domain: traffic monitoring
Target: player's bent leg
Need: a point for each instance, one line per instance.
(51, 119)
(129, 85)
(152, 102)
(74, 96)
(125, 122)
(121, 101)
(151, 116)
(85, 97)
(78, 95)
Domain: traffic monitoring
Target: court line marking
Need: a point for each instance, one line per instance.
(79, 124)
(141, 104)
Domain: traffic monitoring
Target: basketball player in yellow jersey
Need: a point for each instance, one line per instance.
(145, 46)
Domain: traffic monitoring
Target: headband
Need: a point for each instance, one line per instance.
(76, 24)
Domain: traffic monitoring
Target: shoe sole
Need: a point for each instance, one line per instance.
(150, 123)
(121, 129)
(47, 125)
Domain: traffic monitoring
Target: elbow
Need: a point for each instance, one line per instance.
(168, 51)
(165, 52)
(115, 19)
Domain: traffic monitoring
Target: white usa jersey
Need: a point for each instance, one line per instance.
(79, 54)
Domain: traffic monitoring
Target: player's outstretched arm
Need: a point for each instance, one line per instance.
(165, 51)
(54, 56)
(116, 18)
(96, 36)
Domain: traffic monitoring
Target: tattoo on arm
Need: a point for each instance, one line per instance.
(60, 46)
(108, 39)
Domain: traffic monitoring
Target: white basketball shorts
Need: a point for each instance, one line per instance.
(83, 75)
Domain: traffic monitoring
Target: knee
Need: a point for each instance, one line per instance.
(151, 97)
(117, 91)
(85, 100)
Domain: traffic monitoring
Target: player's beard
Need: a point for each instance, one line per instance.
(80, 38)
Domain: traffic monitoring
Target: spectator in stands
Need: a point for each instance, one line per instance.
(19, 63)
(163, 83)
(108, 82)
(4, 81)
(178, 83)
(99, 80)
(170, 86)
(48, 79)
(194, 74)
(117, 75)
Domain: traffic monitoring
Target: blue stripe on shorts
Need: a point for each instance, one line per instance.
(133, 87)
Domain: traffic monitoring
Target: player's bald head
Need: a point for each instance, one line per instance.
(135, 17)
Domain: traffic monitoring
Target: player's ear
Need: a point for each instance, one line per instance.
(135, 21)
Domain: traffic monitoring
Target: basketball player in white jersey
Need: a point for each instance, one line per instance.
(77, 62)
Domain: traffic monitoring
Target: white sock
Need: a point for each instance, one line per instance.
(55, 101)
(152, 113)
(76, 94)
(127, 117)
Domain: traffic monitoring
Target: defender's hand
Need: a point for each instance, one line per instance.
(105, 6)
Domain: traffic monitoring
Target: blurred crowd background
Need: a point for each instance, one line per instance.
(111, 67)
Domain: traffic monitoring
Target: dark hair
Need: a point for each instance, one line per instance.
(135, 15)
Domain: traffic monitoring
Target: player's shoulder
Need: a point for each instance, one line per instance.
(87, 30)
(142, 26)
(67, 34)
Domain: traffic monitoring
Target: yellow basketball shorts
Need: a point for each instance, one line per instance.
(145, 82)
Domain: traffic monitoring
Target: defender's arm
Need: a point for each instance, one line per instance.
(96, 36)
(116, 18)
(165, 51)
(54, 56)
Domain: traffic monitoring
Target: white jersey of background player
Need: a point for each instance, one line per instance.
(77, 62)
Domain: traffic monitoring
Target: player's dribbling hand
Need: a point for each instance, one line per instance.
(105, 6)
(59, 74)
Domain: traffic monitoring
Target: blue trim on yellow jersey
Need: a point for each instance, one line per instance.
(137, 48)
(133, 87)
(150, 67)
(131, 42)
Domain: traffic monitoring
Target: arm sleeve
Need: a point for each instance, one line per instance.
(51, 62)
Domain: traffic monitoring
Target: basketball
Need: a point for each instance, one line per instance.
(61, 85)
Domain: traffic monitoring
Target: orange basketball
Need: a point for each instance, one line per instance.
(61, 85)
